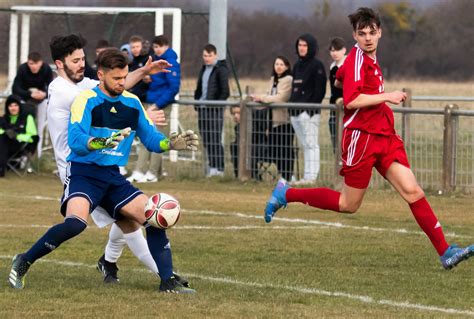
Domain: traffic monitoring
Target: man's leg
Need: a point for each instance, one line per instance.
(216, 126)
(138, 174)
(134, 239)
(203, 125)
(347, 201)
(41, 124)
(404, 181)
(74, 223)
(158, 244)
(312, 140)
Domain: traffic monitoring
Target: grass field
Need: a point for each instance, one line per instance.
(307, 263)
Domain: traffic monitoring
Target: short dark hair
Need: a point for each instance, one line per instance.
(136, 38)
(161, 40)
(102, 43)
(364, 17)
(35, 56)
(337, 43)
(62, 46)
(111, 58)
(210, 48)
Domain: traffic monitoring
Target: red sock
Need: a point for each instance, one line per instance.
(427, 220)
(323, 198)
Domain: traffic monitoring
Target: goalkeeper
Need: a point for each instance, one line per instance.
(103, 123)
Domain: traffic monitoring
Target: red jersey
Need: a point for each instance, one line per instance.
(361, 74)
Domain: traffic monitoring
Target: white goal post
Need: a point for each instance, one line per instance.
(25, 11)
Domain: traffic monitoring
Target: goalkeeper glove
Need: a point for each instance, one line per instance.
(183, 141)
(98, 143)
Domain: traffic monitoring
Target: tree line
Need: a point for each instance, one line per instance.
(434, 42)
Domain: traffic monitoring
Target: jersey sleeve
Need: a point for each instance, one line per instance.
(153, 139)
(80, 123)
(351, 74)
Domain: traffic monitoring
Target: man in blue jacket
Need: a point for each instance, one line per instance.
(161, 92)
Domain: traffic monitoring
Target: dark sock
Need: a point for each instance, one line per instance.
(160, 250)
(55, 236)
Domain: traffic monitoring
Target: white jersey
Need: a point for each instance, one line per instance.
(61, 94)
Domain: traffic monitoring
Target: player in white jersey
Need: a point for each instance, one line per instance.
(68, 55)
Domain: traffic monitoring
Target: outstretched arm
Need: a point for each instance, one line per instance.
(149, 68)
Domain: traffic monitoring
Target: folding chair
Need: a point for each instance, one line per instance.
(19, 162)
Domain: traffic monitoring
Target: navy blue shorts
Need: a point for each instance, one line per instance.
(101, 185)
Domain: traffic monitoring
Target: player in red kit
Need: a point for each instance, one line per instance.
(369, 140)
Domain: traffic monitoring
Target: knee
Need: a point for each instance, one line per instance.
(75, 225)
(414, 193)
(349, 208)
(127, 225)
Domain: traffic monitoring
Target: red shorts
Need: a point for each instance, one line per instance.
(361, 151)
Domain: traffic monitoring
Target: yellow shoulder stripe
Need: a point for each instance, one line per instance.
(129, 95)
(79, 105)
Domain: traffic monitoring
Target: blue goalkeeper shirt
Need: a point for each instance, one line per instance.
(95, 114)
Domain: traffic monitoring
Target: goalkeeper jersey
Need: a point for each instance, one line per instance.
(95, 114)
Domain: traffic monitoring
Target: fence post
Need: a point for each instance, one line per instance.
(244, 141)
(406, 134)
(339, 128)
(449, 148)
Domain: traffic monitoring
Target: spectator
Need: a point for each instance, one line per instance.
(161, 92)
(281, 134)
(213, 84)
(125, 48)
(309, 86)
(234, 146)
(337, 50)
(16, 127)
(31, 84)
(91, 71)
(139, 59)
(260, 130)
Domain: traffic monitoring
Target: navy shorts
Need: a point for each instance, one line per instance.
(101, 185)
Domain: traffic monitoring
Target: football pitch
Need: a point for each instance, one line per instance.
(306, 263)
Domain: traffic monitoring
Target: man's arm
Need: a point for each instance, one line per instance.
(174, 81)
(223, 83)
(366, 100)
(19, 86)
(320, 83)
(151, 67)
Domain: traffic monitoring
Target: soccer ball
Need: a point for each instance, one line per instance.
(162, 211)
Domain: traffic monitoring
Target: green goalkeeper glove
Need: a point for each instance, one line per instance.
(183, 141)
(98, 143)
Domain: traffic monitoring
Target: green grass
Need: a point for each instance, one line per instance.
(284, 269)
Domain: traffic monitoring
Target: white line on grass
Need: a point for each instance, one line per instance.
(297, 289)
(287, 220)
(188, 227)
(318, 222)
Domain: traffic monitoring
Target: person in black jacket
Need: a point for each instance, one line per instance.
(309, 86)
(337, 50)
(31, 85)
(16, 127)
(140, 57)
(213, 84)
